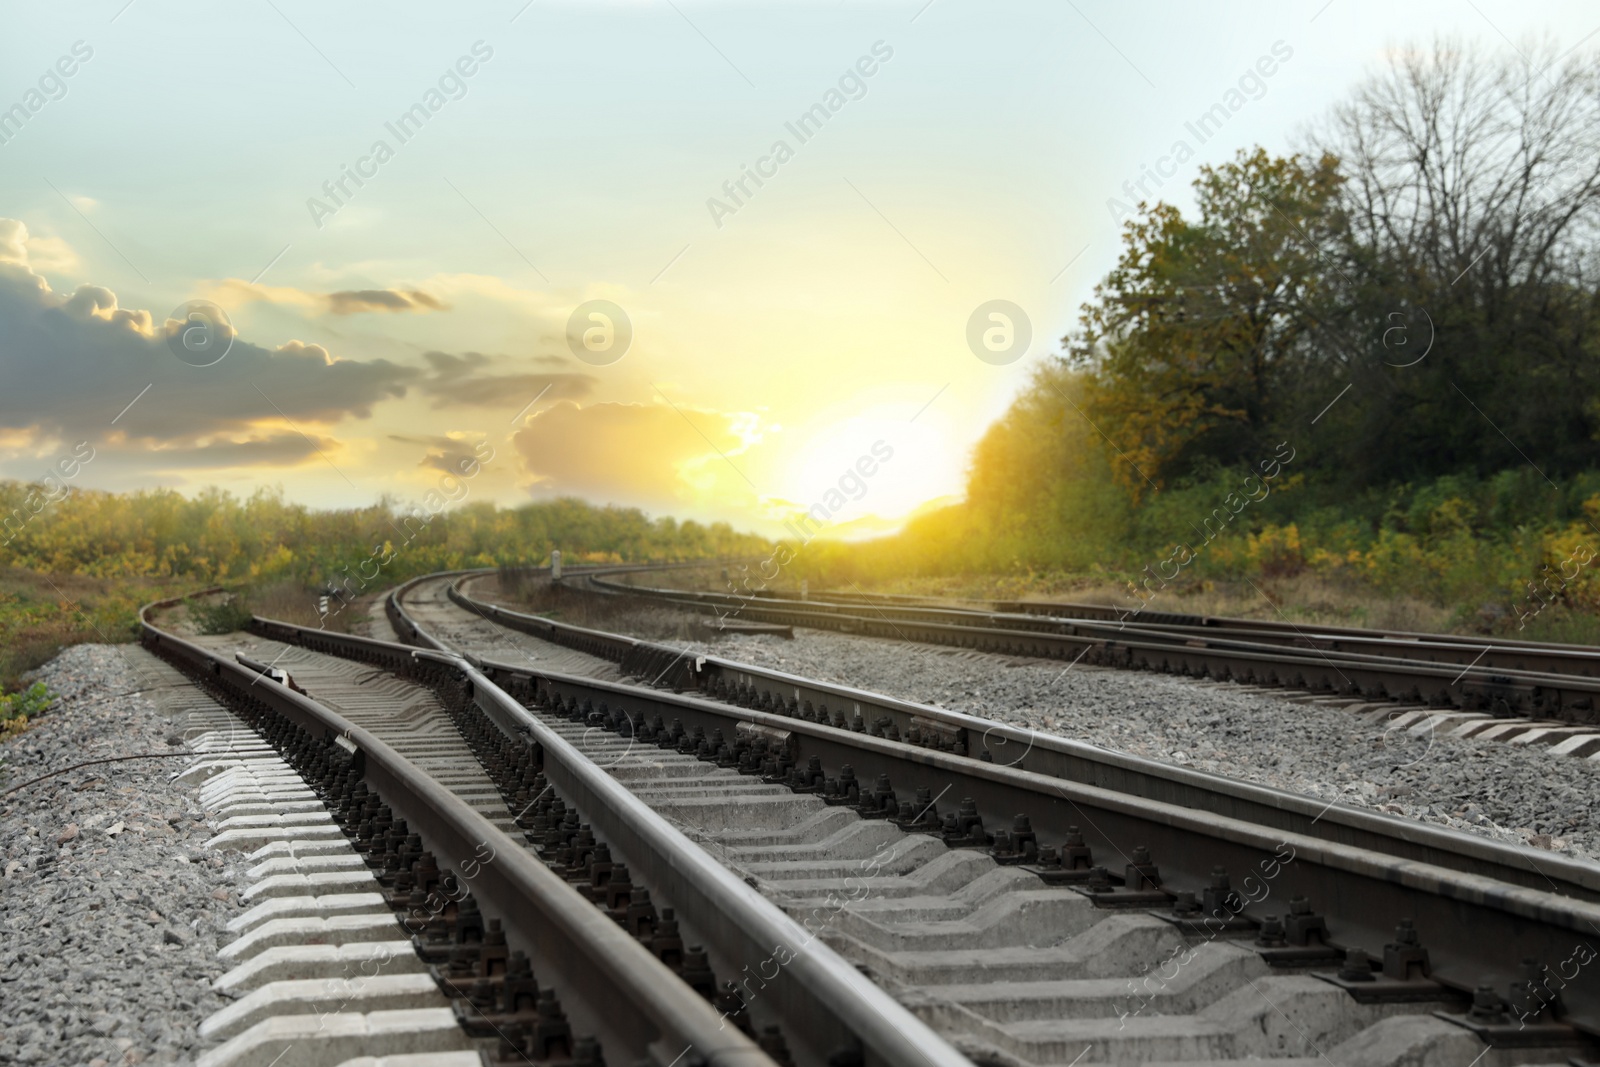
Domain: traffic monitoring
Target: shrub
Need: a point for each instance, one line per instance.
(221, 616)
(17, 708)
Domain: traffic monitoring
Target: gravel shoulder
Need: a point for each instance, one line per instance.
(111, 909)
(1523, 796)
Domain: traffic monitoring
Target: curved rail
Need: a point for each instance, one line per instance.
(830, 1012)
(1477, 926)
(1062, 758)
(596, 965)
(1485, 682)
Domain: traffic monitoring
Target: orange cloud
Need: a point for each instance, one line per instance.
(645, 455)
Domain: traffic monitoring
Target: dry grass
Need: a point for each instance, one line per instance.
(1306, 598)
(618, 614)
(291, 601)
(40, 614)
(283, 601)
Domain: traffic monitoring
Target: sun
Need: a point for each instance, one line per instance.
(873, 467)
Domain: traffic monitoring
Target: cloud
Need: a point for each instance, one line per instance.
(350, 302)
(51, 254)
(232, 292)
(453, 439)
(459, 381)
(457, 463)
(287, 449)
(642, 454)
(90, 302)
(13, 242)
(452, 454)
(74, 365)
(32, 252)
(168, 465)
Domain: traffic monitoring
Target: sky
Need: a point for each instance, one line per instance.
(703, 257)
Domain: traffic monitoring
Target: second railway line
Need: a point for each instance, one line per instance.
(800, 853)
(1490, 677)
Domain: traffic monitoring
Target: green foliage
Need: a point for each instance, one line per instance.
(1402, 309)
(1405, 265)
(42, 613)
(216, 537)
(222, 615)
(17, 708)
(79, 568)
(32, 701)
(1195, 334)
(1044, 509)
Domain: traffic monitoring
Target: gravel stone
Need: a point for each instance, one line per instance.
(1519, 795)
(91, 877)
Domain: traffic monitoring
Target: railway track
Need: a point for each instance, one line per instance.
(414, 826)
(1474, 680)
(855, 879)
(1018, 960)
(1006, 745)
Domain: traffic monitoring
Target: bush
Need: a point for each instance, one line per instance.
(17, 708)
(221, 616)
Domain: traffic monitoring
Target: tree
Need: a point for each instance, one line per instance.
(1470, 205)
(1190, 337)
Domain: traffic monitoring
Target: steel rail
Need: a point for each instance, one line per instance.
(595, 964)
(825, 999)
(1568, 697)
(1106, 613)
(1477, 928)
(830, 1012)
(1490, 653)
(1059, 757)
(1094, 611)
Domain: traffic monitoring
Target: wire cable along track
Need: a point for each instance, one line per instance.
(1472, 935)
